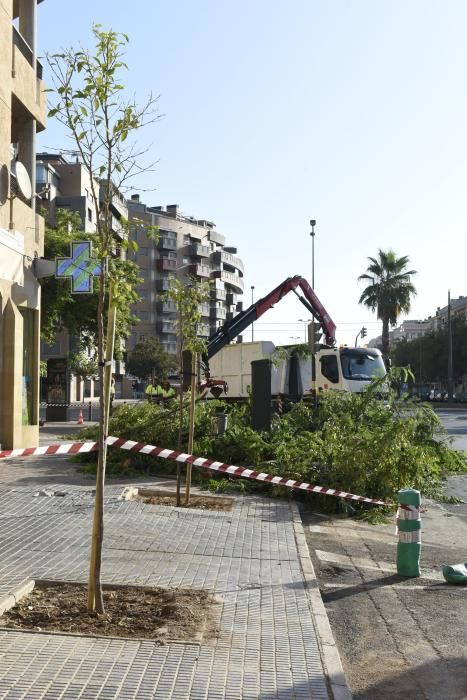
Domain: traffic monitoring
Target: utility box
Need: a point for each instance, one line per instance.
(261, 395)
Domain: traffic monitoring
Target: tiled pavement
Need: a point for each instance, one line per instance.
(267, 647)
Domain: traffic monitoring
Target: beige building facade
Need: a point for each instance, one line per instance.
(22, 115)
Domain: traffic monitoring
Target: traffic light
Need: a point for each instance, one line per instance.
(314, 336)
(363, 332)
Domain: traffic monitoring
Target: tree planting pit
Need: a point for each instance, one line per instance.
(162, 497)
(133, 612)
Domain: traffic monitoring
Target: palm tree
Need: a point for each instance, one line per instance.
(389, 291)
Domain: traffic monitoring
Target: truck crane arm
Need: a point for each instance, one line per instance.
(236, 325)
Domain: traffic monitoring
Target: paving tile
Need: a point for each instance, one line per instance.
(266, 647)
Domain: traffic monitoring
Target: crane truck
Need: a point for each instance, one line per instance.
(330, 368)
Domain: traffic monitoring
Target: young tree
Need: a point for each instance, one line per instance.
(104, 125)
(149, 359)
(62, 309)
(188, 299)
(389, 291)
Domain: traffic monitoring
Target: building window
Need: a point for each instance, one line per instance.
(329, 368)
(143, 251)
(29, 356)
(89, 214)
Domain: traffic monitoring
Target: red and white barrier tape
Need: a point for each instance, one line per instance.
(244, 472)
(64, 448)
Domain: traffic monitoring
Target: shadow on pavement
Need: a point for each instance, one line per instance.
(365, 586)
(437, 680)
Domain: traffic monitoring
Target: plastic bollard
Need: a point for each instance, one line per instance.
(409, 527)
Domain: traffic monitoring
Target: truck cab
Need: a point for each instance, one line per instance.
(347, 369)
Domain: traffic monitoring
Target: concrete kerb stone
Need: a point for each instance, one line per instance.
(10, 599)
(327, 644)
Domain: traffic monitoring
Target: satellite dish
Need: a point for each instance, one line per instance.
(22, 178)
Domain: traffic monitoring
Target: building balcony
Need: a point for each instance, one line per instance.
(166, 307)
(204, 330)
(218, 293)
(216, 237)
(200, 270)
(196, 250)
(27, 86)
(166, 327)
(221, 257)
(169, 346)
(205, 309)
(117, 229)
(162, 285)
(231, 280)
(167, 243)
(30, 225)
(166, 265)
(218, 314)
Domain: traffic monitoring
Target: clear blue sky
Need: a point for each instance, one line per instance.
(351, 112)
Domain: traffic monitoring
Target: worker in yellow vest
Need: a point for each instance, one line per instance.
(154, 391)
(168, 390)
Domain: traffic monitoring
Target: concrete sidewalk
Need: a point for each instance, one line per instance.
(274, 639)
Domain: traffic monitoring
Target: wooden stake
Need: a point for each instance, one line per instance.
(191, 428)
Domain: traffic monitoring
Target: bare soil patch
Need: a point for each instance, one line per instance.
(168, 498)
(159, 614)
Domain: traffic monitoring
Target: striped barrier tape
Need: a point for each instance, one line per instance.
(182, 457)
(73, 404)
(408, 513)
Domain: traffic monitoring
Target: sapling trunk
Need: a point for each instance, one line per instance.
(95, 597)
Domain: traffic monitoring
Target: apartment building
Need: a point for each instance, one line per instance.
(408, 330)
(458, 309)
(66, 184)
(187, 247)
(22, 115)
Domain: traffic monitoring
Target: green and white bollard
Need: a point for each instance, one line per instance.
(409, 528)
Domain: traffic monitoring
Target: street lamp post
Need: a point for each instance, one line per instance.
(312, 234)
(305, 322)
(450, 373)
(313, 334)
(252, 325)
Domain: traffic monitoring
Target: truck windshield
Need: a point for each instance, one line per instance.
(362, 365)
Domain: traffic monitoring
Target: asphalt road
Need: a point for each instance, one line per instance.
(398, 637)
(455, 422)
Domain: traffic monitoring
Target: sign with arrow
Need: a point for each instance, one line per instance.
(80, 267)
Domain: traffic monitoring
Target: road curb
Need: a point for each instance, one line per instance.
(327, 645)
(10, 599)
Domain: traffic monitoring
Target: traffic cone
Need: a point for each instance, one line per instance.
(80, 417)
